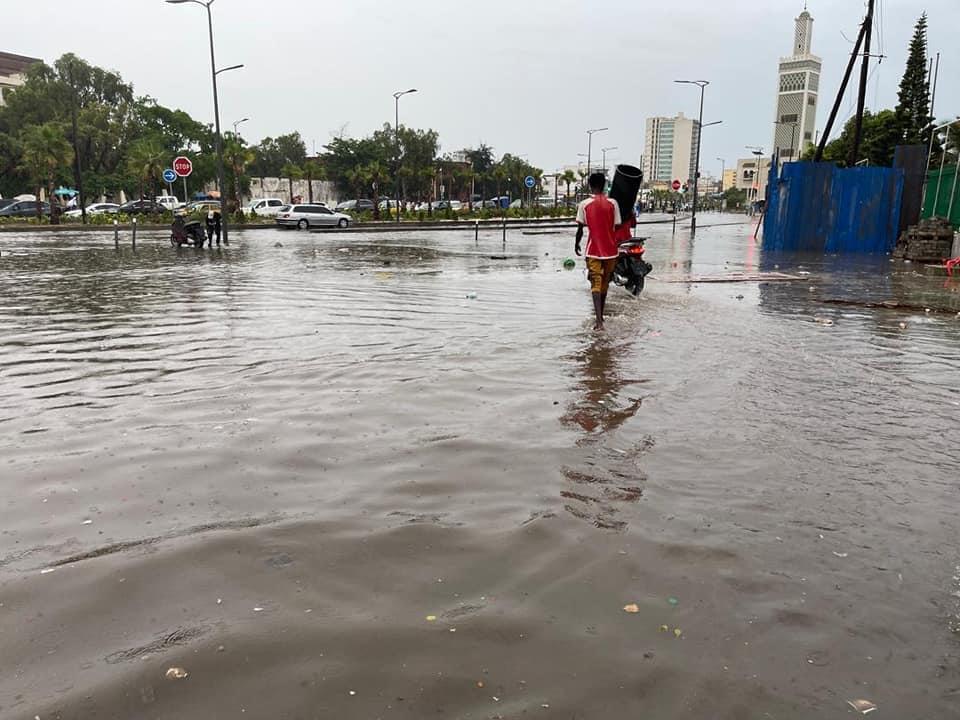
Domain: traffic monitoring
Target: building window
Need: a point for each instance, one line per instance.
(789, 118)
(811, 100)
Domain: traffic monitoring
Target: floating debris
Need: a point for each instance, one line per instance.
(823, 321)
(673, 601)
(677, 633)
(632, 608)
(177, 673)
(841, 555)
(864, 707)
(431, 618)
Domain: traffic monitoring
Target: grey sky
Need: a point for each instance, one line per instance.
(525, 77)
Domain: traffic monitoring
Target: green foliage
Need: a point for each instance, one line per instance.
(881, 135)
(273, 153)
(45, 156)
(913, 108)
(735, 198)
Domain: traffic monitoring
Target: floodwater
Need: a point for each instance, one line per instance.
(398, 476)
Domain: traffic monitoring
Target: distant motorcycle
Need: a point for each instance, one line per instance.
(187, 233)
(632, 270)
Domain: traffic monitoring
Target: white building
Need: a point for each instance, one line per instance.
(12, 71)
(797, 94)
(670, 147)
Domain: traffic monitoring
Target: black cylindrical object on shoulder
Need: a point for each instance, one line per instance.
(625, 188)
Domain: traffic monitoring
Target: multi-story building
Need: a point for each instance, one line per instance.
(729, 179)
(752, 180)
(670, 146)
(12, 69)
(797, 94)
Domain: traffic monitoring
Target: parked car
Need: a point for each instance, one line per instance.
(24, 209)
(168, 202)
(304, 217)
(94, 209)
(6, 202)
(203, 207)
(140, 207)
(265, 207)
(355, 206)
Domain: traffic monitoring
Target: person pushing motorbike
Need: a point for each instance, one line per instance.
(601, 216)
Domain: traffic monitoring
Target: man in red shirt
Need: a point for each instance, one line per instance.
(602, 217)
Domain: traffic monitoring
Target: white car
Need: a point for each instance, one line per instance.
(306, 216)
(95, 209)
(167, 202)
(265, 207)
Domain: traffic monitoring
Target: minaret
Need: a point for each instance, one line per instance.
(797, 94)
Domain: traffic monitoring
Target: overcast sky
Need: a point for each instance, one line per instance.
(525, 77)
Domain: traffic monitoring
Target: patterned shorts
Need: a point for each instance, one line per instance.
(599, 273)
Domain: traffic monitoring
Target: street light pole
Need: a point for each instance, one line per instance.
(590, 145)
(237, 123)
(216, 110)
(702, 84)
(605, 151)
(396, 140)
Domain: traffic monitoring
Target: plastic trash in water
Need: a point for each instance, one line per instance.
(569, 263)
(177, 673)
(864, 707)
(471, 296)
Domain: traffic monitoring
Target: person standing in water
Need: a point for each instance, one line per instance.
(601, 216)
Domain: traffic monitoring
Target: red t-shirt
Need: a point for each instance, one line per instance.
(601, 216)
(625, 231)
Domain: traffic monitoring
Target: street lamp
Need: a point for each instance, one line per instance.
(605, 151)
(216, 109)
(396, 139)
(590, 144)
(723, 173)
(758, 152)
(702, 84)
(238, 122)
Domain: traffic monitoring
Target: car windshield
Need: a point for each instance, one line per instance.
(285, 208)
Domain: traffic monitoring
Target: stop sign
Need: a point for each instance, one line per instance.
(676, 183)
(182, 166)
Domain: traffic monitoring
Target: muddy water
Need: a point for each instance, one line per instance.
(364, 476)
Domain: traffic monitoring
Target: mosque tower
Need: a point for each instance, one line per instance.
(797, 94)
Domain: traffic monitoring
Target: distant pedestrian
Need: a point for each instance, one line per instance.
(213, 227)
(602, 217)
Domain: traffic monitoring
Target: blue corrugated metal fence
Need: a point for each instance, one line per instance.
(817, 207)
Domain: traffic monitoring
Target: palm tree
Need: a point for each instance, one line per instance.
(238, 156)
(291, 171)
(375, 174)
(569, 177)
(46, 152)
(145, 160)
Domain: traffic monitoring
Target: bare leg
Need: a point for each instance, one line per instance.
(598, 309)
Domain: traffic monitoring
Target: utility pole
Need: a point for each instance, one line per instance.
(825, 137)
(864, 76)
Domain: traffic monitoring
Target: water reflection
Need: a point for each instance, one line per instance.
(607, 476)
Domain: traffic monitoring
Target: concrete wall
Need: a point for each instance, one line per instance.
(323, 190)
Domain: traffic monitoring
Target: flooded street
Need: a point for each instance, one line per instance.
(398, 476)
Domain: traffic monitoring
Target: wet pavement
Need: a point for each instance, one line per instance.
(376, 476)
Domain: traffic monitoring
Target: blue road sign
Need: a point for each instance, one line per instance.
(169, 176)
(529, 181)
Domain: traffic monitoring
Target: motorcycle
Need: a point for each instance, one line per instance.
(632, 270)
(190, 232)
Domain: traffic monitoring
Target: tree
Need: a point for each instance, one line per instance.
(913, 108)
(273, 153)
(568, 177)
(46, 153)
(881, 135)
(375, 174)
(146, 161)
(735, 198)
(237, 157)
(291, 172)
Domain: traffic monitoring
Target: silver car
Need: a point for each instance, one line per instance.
(304, 217)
